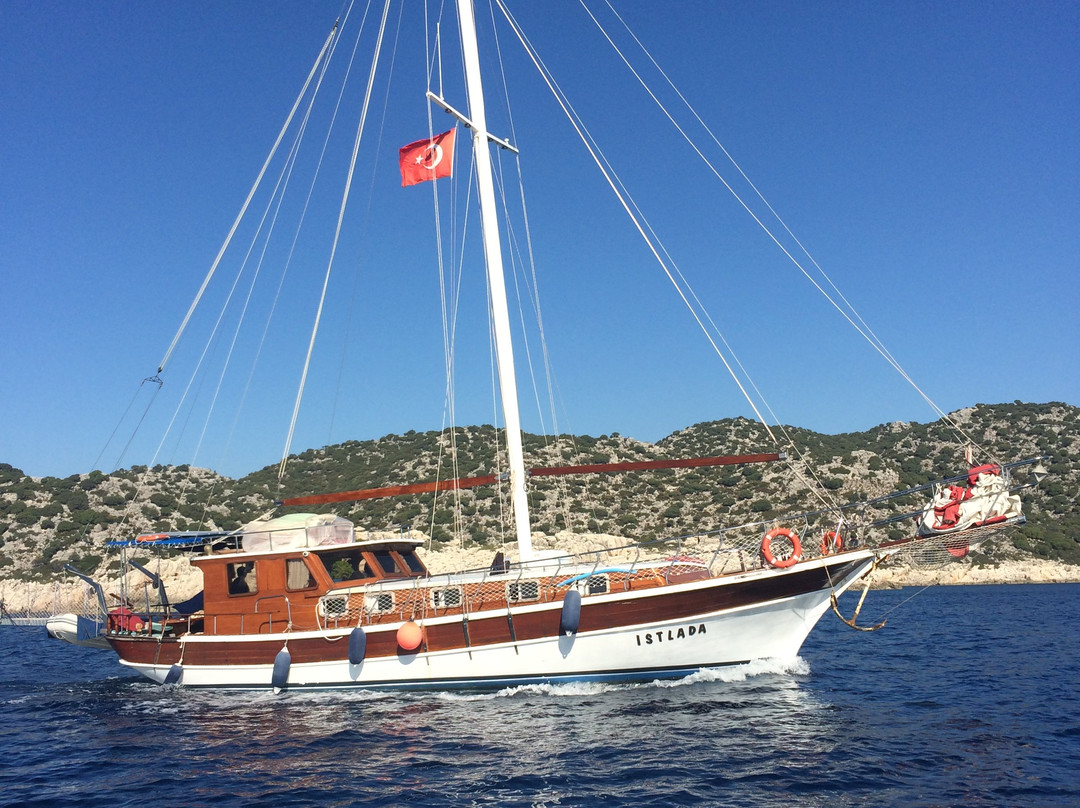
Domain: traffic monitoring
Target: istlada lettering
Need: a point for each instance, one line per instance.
(656, 637)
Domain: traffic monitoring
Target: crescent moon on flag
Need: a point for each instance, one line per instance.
(432, 156)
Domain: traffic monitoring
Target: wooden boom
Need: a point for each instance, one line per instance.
(551, 471)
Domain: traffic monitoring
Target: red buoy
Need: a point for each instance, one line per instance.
(409, 636)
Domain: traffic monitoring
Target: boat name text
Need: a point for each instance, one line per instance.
(669, 635)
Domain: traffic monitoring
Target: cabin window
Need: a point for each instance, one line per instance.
(519, 591)
(297, 575)
(449, 598)
(387, 562)
(242, 579)
(380, 603)
(346, 565)
(596, 585)
(412, 561)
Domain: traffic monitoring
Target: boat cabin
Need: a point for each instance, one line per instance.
(248, 593)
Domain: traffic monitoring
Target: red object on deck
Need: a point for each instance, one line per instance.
(946, 516)
(123, 619)
(989, 468)
(551, 471)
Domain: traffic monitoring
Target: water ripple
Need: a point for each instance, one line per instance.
(943, 707)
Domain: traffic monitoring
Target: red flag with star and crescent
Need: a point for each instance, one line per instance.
(427, 159)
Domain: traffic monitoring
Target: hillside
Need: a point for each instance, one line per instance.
(47, 522)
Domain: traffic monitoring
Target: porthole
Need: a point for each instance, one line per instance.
(449, 598)
(519, 591)
(596, 585)
(380, 603)
(334, 607)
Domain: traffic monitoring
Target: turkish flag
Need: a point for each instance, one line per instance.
(427, 159)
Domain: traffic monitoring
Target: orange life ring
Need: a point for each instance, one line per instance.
(796, 548)
(831, 543)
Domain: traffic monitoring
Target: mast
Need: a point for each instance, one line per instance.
(504, 352)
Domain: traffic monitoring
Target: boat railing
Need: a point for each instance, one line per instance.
(30, 604)
(592, 573)
(263, 599)
(722, 551)
(421, 597)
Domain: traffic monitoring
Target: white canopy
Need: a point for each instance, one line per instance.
(296, 530)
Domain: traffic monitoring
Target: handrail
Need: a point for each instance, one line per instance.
(288, 610)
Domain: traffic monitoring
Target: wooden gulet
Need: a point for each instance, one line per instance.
(549, 621)
(300, 602)
(319, 609)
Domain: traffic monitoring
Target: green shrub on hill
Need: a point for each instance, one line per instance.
(47, 519)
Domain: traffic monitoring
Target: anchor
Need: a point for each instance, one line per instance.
(858, 608)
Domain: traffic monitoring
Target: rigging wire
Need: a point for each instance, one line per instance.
(518, 264)
(668, 264)
(514, 248)
(338, 387)
(211, 340)
(321, 60)
(278, 193)
(449, 291)
(142, 480)
(623, 197)
(337, 236)
(682, 285)
(849, 313)
(435, 61)
(123, 417)
(287, 264)
(244, 207)
(278, 196)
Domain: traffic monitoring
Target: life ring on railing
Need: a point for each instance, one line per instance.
(796, 548)
(831, 543)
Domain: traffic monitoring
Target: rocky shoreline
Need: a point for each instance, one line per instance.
(959, 573)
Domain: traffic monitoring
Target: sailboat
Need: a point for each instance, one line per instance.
(302, 600)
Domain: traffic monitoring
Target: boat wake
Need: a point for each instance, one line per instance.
(796, 666)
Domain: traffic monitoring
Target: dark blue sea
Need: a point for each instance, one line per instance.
(968, 697)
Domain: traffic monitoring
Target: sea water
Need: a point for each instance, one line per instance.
(967, 697)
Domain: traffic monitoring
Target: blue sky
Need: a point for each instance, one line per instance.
(925, 153)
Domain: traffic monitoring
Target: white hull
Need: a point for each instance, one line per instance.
(670, 649)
